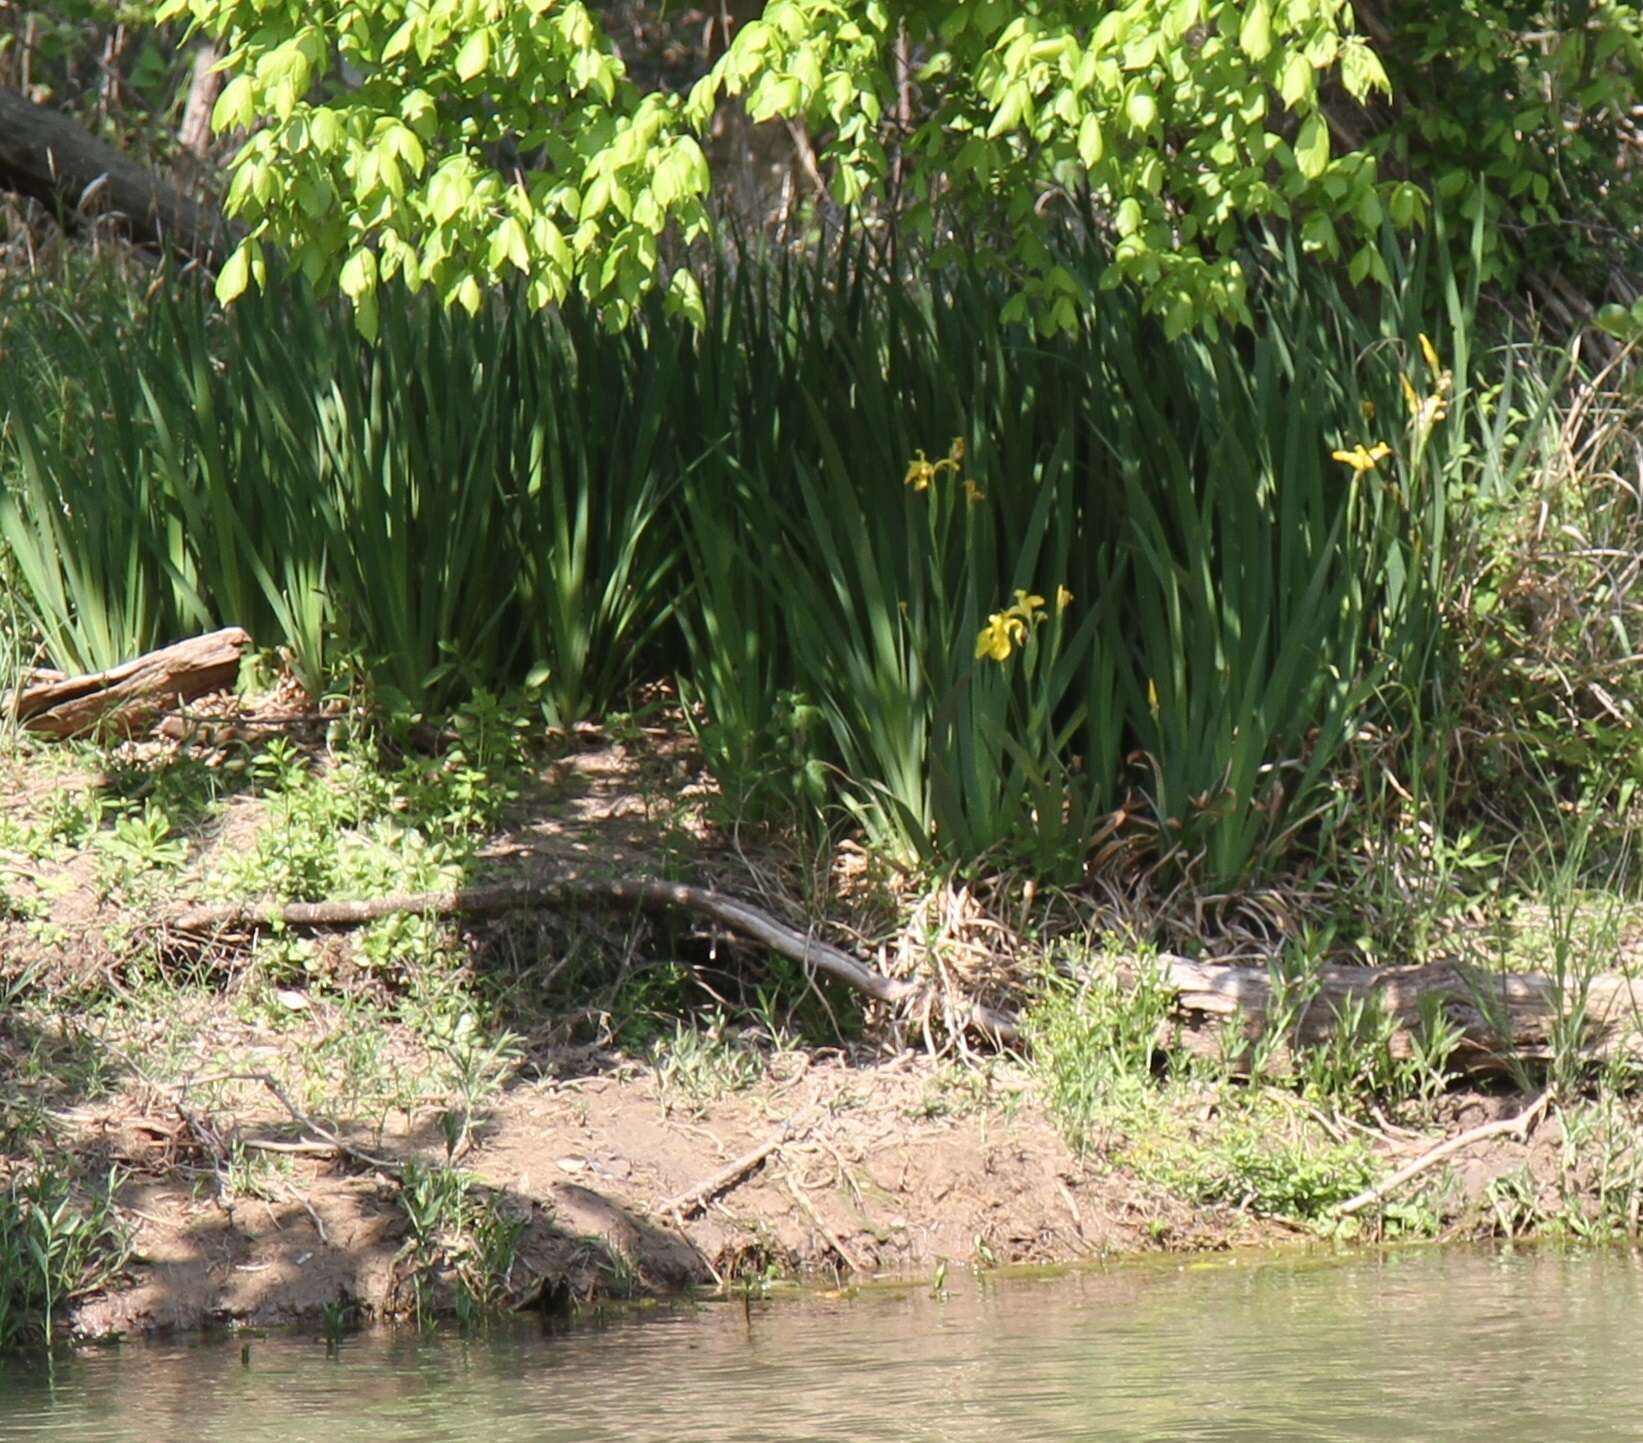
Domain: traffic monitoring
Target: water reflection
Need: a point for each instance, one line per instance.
(1417, 1346)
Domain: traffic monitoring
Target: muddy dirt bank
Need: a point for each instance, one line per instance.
(828, 1167)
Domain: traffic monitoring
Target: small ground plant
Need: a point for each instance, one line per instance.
(58, 1243)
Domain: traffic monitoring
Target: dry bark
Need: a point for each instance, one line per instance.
(194, 134)
(48, 156)
(1505, 1019)
(127, 698)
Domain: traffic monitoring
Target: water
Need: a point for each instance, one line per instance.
(1417, 1346)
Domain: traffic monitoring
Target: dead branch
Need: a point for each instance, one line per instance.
(693, 1199)
(1517, 1126)
(481, 901)
(1501, 1019)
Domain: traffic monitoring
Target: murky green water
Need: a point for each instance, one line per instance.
(1421, 1346)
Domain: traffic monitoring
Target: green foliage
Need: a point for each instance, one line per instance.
(469, 497)
(376, 127)
(460, 146)
(1514, 112)
(459, 1233)
(359, 827)
(1261, 1154)
(1093, 1041)
(55, 1247)
(348, 501)
(696, 1063)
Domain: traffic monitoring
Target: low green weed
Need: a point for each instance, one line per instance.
(57, 1245)
(1258, 1152)
(454, 1230)
(1094, 1038)
(698, 1063)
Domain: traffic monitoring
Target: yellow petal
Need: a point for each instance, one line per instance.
(1430, 352)
(1062, 597)
(1413, 401)
(1357, 458)
(955, 452)
(994, 640)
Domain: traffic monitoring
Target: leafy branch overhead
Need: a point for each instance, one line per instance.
(459, 141)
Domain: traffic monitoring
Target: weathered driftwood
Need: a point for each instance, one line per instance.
(1503, 1018)
(479, 901)
(48, 156)
(127, 698)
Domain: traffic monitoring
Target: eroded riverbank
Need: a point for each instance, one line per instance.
(603, 1176)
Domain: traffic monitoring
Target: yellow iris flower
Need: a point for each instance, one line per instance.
(921, 471)
(1005, 630)
(1362, 458)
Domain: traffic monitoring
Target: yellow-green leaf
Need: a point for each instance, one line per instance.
(1312, 147)
(1091, 147)
(1255, 33)
(1361, 71)
(233, 108)
(233, 276)
(1297, 83)
(474, 55)
(359, 274)
(684, 298)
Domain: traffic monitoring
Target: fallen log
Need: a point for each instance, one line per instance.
(1501, 1019)
(127, 698)
(46, 155)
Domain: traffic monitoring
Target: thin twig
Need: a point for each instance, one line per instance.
(1518, 1126)
(694, 1198)
(314, 1217)
(309, 1125)
(306, 1148)
(833, 1240)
